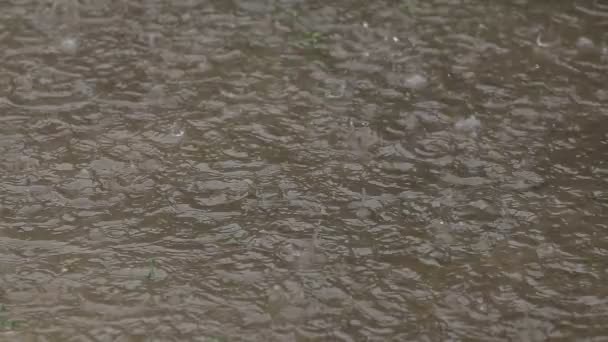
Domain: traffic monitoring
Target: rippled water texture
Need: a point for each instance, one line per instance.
(289, 170)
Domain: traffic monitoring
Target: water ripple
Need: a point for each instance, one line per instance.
(287, 171)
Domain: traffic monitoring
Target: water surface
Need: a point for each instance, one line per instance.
(303, 170)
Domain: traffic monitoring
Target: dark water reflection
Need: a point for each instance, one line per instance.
(303, 170)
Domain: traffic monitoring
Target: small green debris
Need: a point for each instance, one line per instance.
(409, 6)
(214, 339)
(5, 322)
(152, 271)
(9, 324)
(312, 39)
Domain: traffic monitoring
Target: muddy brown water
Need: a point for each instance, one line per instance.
(303, 170)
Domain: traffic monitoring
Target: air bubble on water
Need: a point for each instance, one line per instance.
(469, 124)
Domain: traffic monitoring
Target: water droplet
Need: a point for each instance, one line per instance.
(365, 24)
(395, 39)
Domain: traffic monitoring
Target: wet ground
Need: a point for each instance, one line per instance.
(274, 170)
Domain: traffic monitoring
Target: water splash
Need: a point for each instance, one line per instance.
(470, 124)
(177, 129)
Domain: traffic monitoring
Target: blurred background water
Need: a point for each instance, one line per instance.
(289, 170)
